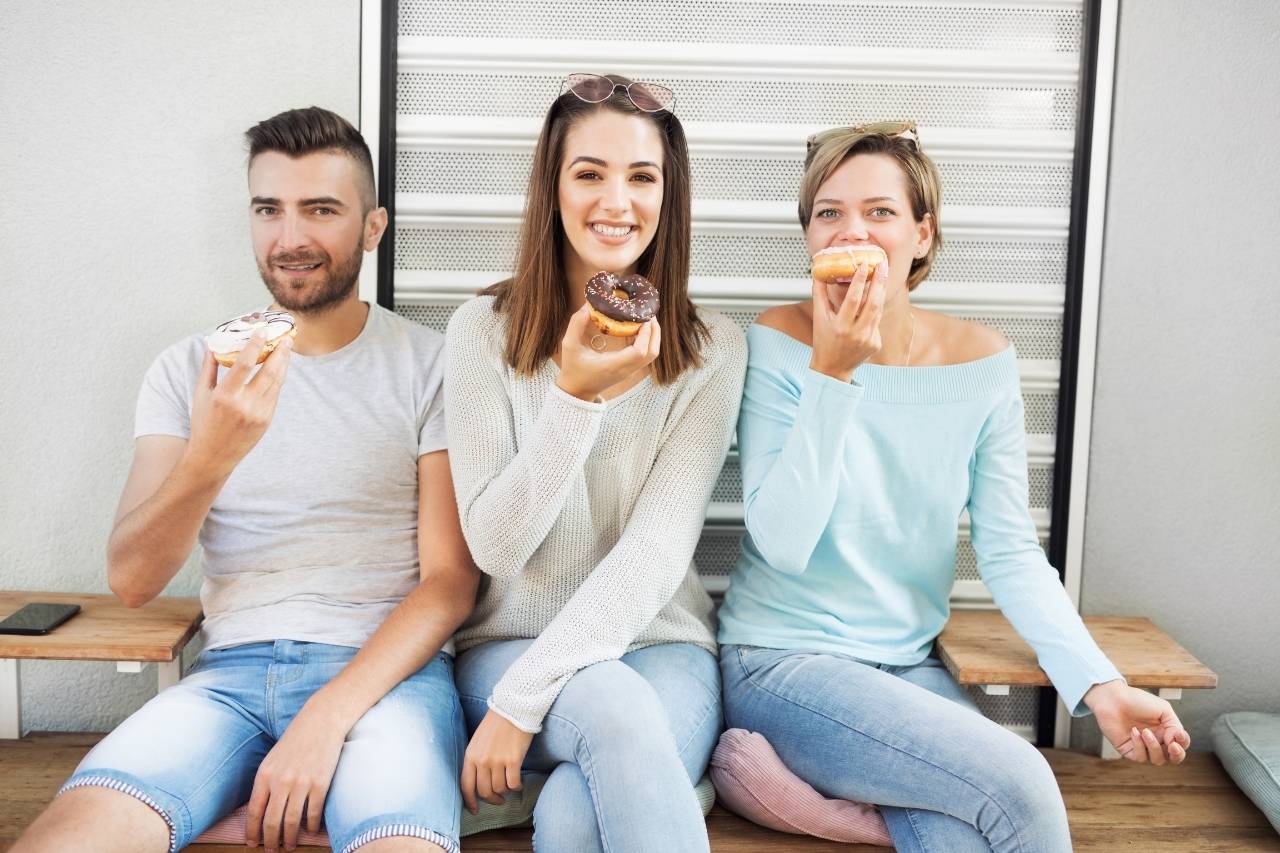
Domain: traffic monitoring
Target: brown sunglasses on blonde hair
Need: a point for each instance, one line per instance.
(897, 129)
(898, 140)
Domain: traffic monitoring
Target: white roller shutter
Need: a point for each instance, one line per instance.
(993, 86)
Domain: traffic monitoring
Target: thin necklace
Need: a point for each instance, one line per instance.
(912, 340)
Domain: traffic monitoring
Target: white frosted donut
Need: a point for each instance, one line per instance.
(835, 262)
(229, 338)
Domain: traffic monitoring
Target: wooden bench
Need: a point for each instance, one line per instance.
(1193, 807)
(103, 630)
(980, 647)
(1112, 806)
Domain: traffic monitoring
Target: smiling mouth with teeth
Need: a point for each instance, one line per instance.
(612, 231)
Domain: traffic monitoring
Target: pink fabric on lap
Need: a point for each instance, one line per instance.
(230, 830)
(751, 781)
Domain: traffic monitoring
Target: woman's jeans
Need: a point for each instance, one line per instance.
(907, 738)
(624, 742)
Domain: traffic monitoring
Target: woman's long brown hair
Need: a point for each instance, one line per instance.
(536, 298)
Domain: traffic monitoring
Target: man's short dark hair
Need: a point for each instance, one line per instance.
(305, 131)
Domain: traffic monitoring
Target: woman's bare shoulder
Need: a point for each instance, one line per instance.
(793, 320)
(960, 341)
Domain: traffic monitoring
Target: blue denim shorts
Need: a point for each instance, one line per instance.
(191, 753)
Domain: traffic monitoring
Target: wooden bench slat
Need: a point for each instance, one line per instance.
(1112, 806)
(104, 629)
(1180, 839)
(1122, 807)
(981, 647)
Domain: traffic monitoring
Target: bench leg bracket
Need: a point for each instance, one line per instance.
(10, 699)
(169, 672)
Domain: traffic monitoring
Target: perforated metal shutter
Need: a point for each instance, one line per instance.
(992, 85)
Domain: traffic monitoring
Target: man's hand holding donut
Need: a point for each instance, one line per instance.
(228, 417)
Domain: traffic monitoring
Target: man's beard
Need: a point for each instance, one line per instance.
(335, 288)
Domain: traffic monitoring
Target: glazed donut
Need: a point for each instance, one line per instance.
(836, 262)
(620, 306)
(230, 338)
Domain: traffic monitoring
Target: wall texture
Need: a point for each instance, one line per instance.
(1184, 490)
(124, 226)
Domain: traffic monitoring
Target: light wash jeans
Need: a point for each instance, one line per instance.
(191, 753)
(907, 738)
(624, 742)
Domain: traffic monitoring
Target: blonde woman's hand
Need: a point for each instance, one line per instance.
(585, 373)
(1142, 727)
(491, 764)
(844, 338)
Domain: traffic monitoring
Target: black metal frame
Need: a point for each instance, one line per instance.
(1070, 361)
(387, 151)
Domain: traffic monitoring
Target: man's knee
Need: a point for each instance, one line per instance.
(96, 818)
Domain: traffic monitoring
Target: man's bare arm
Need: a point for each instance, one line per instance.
(299, 768)
(165, 500)
(420, 626)
(173, 481)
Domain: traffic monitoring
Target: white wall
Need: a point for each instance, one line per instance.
(124, 226)
(1184, 489)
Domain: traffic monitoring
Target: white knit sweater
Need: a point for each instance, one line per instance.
(583, 515)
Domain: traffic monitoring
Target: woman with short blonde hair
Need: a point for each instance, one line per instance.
(868, 426)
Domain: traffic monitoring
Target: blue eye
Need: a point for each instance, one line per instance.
(882, 211)
(827, 213)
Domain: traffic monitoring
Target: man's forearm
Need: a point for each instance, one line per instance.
(415, 631)
(151, 542)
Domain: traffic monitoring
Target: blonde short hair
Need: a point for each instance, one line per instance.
(829, 149)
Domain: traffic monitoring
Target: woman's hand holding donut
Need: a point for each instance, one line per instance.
(845, 337)
(586, 374)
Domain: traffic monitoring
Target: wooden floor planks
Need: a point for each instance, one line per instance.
(1113, 806)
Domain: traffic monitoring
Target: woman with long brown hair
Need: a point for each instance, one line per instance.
(583, 464)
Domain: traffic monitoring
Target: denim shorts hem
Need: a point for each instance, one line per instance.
(166, 805)
(392, 826)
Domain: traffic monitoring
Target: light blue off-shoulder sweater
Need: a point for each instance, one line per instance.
(853, 495)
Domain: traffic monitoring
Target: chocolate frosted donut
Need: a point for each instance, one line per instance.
(620, 306)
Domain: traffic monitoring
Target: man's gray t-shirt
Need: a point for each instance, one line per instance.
(315, 535)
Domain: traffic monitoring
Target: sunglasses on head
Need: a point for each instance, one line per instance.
(898, 129)
(595, 88)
